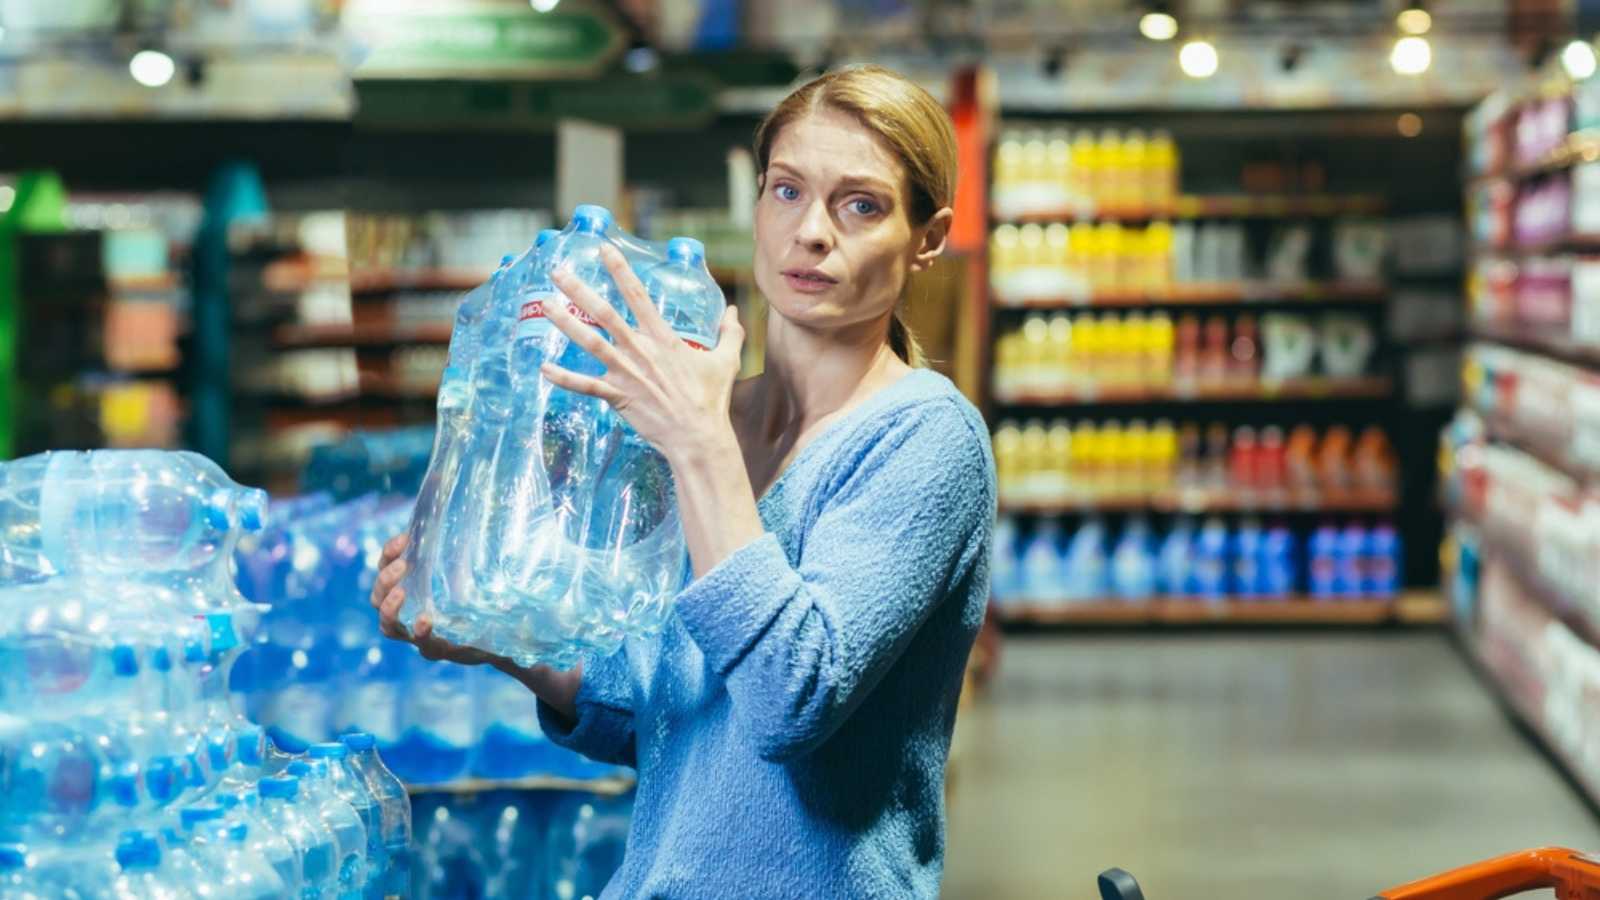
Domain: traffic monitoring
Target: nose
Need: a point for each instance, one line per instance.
(815, 231)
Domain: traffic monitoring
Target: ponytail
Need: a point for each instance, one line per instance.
(903, 342)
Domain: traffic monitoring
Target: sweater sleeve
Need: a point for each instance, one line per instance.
(801, 645)
(603, 730)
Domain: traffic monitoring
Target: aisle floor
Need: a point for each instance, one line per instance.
(1242, 766)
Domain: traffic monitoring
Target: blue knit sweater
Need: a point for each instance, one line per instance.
(791, 723)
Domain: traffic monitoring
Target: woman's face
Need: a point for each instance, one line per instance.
(834, 240)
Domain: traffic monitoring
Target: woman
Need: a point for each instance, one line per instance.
(791, 723)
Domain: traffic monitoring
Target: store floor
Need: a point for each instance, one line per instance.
(1242, 766)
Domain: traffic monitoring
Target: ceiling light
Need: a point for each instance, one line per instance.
(1411, 55)
(1198, 59)
(1158, 26)
(151, 68)
(543, 5)
(1578, 59)
(1414, 20)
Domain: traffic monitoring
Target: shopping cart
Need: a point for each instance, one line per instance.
(1574, 875)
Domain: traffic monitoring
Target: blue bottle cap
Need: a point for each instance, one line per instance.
(194, 651)
(218, 750)
(12, 856)
(238, 832)
(506, 260)
(591, 219)
(329, 751)
(359, 741)
(193, 771)
(544, 237)
(161, 660)
(224, 636)
(227, 801)
(138, 850)
(686, 250)
(191, 816)
(249, 745)
(124, 790)
(214, 511)
(252, 507)
(282, 787)
(161, 779)
(124, 660)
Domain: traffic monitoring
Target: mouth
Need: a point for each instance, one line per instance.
(809, 279)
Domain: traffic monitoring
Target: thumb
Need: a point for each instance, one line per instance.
(730, 334)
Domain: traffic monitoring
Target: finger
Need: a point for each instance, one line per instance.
(395, 547)
(581, 333)
(635, 294)
(390, 608)
(389, 576)
(603, 314)
(581, 384)
(730, 334)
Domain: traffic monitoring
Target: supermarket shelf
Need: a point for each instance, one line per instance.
(1310, 388)
(382, 281)
(1524, 568)
(1244, 293)
(1572, 243)
(1538, 447)
(1293, 610)
(1500, 683)
(1422, 608)
(1221, 206)
(1539, 341)
(610, 786)
(1216, 500)
(1580, 147)
(297, 336)
(142, 284)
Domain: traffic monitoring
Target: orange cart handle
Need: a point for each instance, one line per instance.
(1574, 875)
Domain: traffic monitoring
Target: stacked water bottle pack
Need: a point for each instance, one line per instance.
(518, 845)
(320, 667)
(124, 771)
(581, 545)
(1046, 566)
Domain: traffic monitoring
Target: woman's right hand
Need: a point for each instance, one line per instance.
(555, 687)
(387, 598)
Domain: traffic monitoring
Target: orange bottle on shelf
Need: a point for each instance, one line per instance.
(1186, 349)
(1189, 473)
(1299, 459)
(1271, 467)
(1244, 357)
(1214, 462)
(1214, 349)
(1333, 460)
(1374, 460)
(1242, 460)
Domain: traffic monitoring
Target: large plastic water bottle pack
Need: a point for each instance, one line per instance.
(124, 770)
(518, 845)
(546, 528)
(319, 667)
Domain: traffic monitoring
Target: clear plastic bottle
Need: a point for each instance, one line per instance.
(314, 846)
(244, 873)
(143, 876)
(395, 808)
(319, 798)
(353, 790)
(119, 511)
(454, 401)
(264, 840)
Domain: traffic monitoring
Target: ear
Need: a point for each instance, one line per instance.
(934, 235)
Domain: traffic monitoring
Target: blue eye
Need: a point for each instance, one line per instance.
(787, 192)
(863, 207)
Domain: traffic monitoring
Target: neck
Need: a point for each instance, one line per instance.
(810, 374)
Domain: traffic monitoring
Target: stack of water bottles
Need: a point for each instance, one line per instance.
(546, 528)
(1208, 560)
(320, 668)
(124, 770)
(370, 462)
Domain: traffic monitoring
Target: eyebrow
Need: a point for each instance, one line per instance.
(866, 181)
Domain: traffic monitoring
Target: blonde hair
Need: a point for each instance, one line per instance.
(908, 120)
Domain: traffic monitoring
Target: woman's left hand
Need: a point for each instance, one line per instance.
(675, 396)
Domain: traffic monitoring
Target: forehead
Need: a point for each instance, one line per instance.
(830, 146)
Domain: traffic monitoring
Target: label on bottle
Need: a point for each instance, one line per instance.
(533, 319)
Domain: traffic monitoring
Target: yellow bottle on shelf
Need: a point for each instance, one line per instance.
(1163, 455)
(1081, 458)
(1004, 244)
(1008, 162)
(1085, 168)
(1156, 349)
(1109, 151)
(1035, 370)
(1158, 257)
(1085, 344)
(1161, 170)
(1133, 458)
(1035, 461)
(1131, 193)
(1059, 455)
(1060, 352)
(1103, 264)
(1008, 460)
(1059, 161)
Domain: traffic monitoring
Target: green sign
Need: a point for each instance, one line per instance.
(630, 102)
(488, 41)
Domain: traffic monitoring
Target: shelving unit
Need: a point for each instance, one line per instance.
(1119, 265)
(610, 787)
(1294, 610)
(1522, 462)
